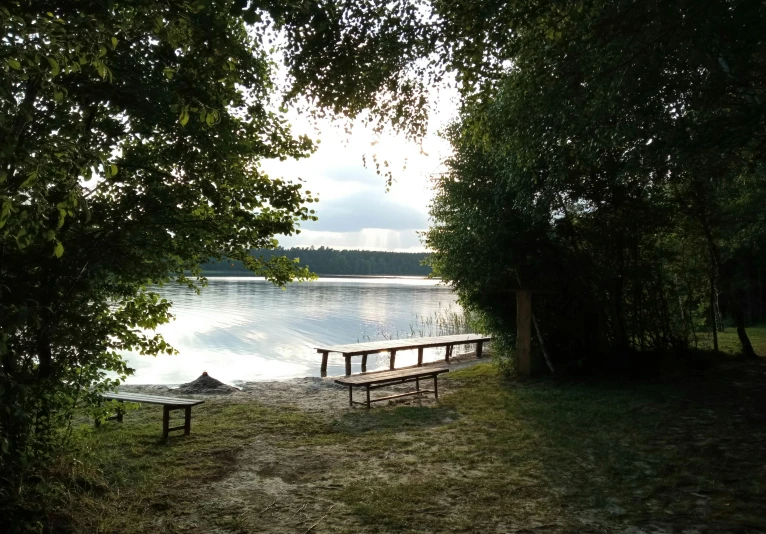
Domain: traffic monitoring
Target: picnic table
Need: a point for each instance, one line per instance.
(393, 345)
(388, 378)
(168, 404)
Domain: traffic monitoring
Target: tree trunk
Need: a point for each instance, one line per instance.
(712, 313)
(739, 317)
(542, 344)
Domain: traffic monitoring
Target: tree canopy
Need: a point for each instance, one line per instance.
(618, 159)
(131, 135)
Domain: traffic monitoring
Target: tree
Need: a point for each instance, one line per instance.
(131, 133)
(606, 150)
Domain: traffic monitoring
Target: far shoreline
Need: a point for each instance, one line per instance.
(225, 274)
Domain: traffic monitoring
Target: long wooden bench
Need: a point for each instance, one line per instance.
(388, 378)
(168, 404)
(394, 345)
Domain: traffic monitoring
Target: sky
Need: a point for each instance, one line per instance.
(354, 209)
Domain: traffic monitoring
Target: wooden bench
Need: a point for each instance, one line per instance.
(394, 345)
(168, 404)
(388, 378)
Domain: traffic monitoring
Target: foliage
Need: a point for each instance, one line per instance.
(324, 260)
(612, 151)
(617, 157)
(130, 136)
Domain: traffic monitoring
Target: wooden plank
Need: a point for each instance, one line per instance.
(356, 349)
(395, 374)
(401, 343)
(524, 333)
(151, 399)
(375, 378)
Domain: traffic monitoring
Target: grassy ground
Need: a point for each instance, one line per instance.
(682, 454)
(728, 341)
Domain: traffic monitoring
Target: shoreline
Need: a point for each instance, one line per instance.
(311, 393)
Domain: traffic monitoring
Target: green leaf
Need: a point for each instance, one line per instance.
(58, 249)
(58, 95)
(31, 178)
(14, 64)
(114, 169)
(114, 42)
(55, 69)
(184, 118)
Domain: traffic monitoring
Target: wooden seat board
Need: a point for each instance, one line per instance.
(151, 399)
(375, 378)
(371, 347)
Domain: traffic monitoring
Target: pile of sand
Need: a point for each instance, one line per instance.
(206, 384)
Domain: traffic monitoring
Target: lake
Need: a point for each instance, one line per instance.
(246, 329)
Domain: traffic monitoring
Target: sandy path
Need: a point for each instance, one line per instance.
(309, 394)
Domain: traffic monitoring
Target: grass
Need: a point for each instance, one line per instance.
(493, 455)
(728, 342)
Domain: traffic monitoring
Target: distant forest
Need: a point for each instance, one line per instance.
(328, 261)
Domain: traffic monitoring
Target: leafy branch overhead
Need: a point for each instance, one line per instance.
(131, 136)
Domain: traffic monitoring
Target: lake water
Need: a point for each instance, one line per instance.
(245, 329)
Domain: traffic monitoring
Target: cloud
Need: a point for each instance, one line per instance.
(366, 209)
(367, 239)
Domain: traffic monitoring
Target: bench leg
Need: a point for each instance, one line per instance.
(187, 421)
(350, 396)
(420, 357)
(364, 363)
(479, 347)
(368, 396)
(348, 365)
(323, 369)
(449, 353)
(417, 384)
(165, 421)
(393, 360)
(436, 386)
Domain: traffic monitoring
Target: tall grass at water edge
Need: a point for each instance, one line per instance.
(444, 321)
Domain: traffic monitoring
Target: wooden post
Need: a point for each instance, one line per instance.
(368, 396)
(165, 421)
(479, 347)
(120, 412)
(436, 386)
(420, 357)
(364, 363)
(187, 421)
(449, 353)
(350, 396)
(393, 359)
(324, 362)
(348, 365)
(417, 384)
(524, 332)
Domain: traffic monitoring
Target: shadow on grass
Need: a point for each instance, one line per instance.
(401, 418)
(681, 454)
